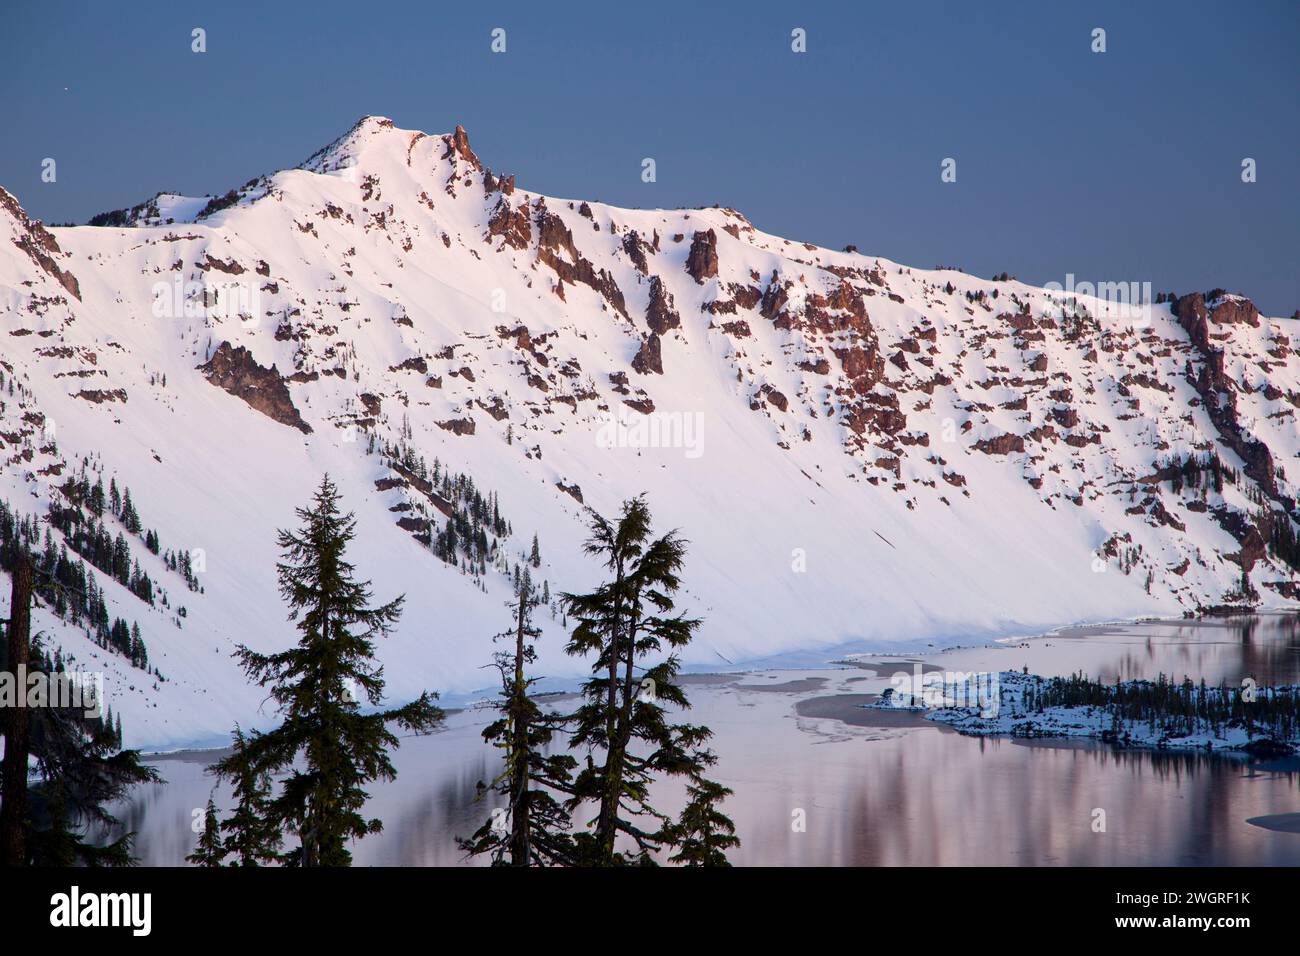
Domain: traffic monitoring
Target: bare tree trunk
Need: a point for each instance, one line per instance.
(607, 822)
(13, 796)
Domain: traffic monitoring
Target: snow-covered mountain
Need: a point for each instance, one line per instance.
(859, 452)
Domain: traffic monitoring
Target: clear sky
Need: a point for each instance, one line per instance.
(1116, 166)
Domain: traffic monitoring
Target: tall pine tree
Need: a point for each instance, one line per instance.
(535, 829)
(318, 685)
(622, 722)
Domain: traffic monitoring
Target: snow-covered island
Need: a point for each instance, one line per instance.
(1163, 713)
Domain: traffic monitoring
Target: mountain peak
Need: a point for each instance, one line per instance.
(343, 152)
(373, 132)
(460, 143)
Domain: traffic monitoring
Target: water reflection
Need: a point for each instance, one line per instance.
(928, 798)
(1265, 647)
(897, 795)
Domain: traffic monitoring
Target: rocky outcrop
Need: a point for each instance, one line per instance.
(636, 251)
(702, 261)
(39, 245)
(458, 144)
(1065, 417)
(643, 405)
(660, 314)
(648, 358)
(416, 363)
(503, 184)
(100, 395)
(863, 365)
(458, 426)
(512, 224)
(1001, 445)
(229, 267)
(233, 369)
(1253, 546)
(1233, 310)
(406, 478)
(553, 236)
(774, 298)
(1218, 391)
(877, 413)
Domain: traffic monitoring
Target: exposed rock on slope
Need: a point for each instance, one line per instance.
(702, 262)
(233, 369)
(37, 242)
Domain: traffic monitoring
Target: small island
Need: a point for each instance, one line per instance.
(1163, 714)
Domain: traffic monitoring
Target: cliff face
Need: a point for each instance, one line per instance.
(263, 389)
(858, 451)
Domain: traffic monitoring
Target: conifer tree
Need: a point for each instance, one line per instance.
(703, 834)
(622, 722)
(130, 519)
(80, 766)
(535, 829)
(81, 769)
(209, 851)
(535, 556)
(318, 686)
(96, 502)
(250, 834)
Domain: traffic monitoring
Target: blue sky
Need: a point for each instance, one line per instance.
(1119, 166)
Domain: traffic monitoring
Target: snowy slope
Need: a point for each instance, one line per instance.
(858, 451)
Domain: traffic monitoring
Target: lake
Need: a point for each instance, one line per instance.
(875, 788)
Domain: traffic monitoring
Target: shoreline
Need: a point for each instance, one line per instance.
(841, 657)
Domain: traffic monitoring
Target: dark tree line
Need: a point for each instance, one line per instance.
(1180, 709)
(1196, 471)
(1285, 542)
(80, 521)
(68, 586)
(1208, 472)
(474, 523)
